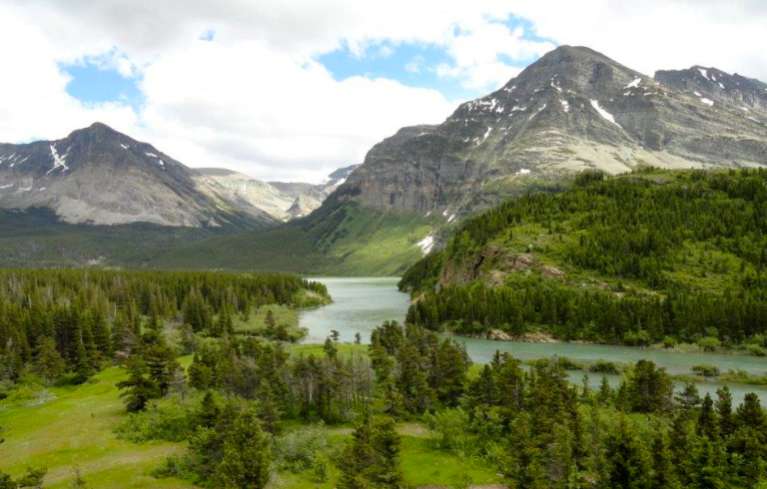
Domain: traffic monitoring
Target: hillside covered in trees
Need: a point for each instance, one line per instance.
(637, 259)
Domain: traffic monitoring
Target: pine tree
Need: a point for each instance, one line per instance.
(707, 422)
(160, 361)
(247, 455)
(724, 412)
(627, 460)
(139, 388)
(48, 362)
(663, 472)
(208, 412)
(386, 472)
(270, 324)
(371, 460)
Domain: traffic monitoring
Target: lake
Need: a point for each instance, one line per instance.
(361, 304)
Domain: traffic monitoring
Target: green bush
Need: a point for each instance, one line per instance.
(637, 338)
(706, 370)
(669, 342)
(450, 427)
(604, 367)
(709, 343)
(171, 421)
(756, 350)
(301, 449)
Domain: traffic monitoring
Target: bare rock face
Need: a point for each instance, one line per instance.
(100, 176)
(573, 109)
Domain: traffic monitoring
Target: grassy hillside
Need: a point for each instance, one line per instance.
(69, 428)
(629, 259)
(343, 239)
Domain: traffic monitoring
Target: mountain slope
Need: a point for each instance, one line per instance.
(632, 259)
(100, 176)
(573, 109)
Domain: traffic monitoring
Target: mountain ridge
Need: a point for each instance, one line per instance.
(97, 175)
(573, 109)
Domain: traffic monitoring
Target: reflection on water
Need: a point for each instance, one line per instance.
(361, 304)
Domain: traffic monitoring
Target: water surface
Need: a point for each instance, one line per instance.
(361, 304)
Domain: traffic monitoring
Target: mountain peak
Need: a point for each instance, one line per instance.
(97, 128)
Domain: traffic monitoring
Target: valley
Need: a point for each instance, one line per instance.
(562, 285)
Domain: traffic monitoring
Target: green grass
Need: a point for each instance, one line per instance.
(422, 464)
(283, 315)
(74, 429)
(338, 239)
(344, 349)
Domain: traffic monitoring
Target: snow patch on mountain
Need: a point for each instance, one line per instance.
(59, 162)
(602, 112)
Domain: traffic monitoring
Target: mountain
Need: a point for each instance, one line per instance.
(99, 176)
(282, 201)
(308, 197)
(571, 110)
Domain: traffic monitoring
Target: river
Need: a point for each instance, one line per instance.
(361, 304)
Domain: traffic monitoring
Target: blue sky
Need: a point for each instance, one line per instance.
(94, 81)
(94, 84)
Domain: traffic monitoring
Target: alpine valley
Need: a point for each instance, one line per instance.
(101, 196)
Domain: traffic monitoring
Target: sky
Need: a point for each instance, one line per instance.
(293, 89)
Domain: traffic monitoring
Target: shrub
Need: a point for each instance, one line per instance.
(669, 342)
(706, 370)
(301, 449)
(170, 421)
(756, 350)
(604, 367)
(450, 426)
(709, 343)
(637, 338)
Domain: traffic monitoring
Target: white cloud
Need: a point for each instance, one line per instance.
(254, 99)
(257, 110)
(34, 102)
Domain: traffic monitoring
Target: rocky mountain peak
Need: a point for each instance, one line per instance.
(573, 109)
(713, 85)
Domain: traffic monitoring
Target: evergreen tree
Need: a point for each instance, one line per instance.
(627, 461)
(663, 471)
(139, 388)
(707, 422)
(160, 361)
(246, 454)
(724, 411)
(48, 362)
(371, 460)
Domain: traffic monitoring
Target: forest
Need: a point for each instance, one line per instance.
(251, 408)
(634, 259)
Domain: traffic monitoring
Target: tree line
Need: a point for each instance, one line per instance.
(665, 233)
(68, 323)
